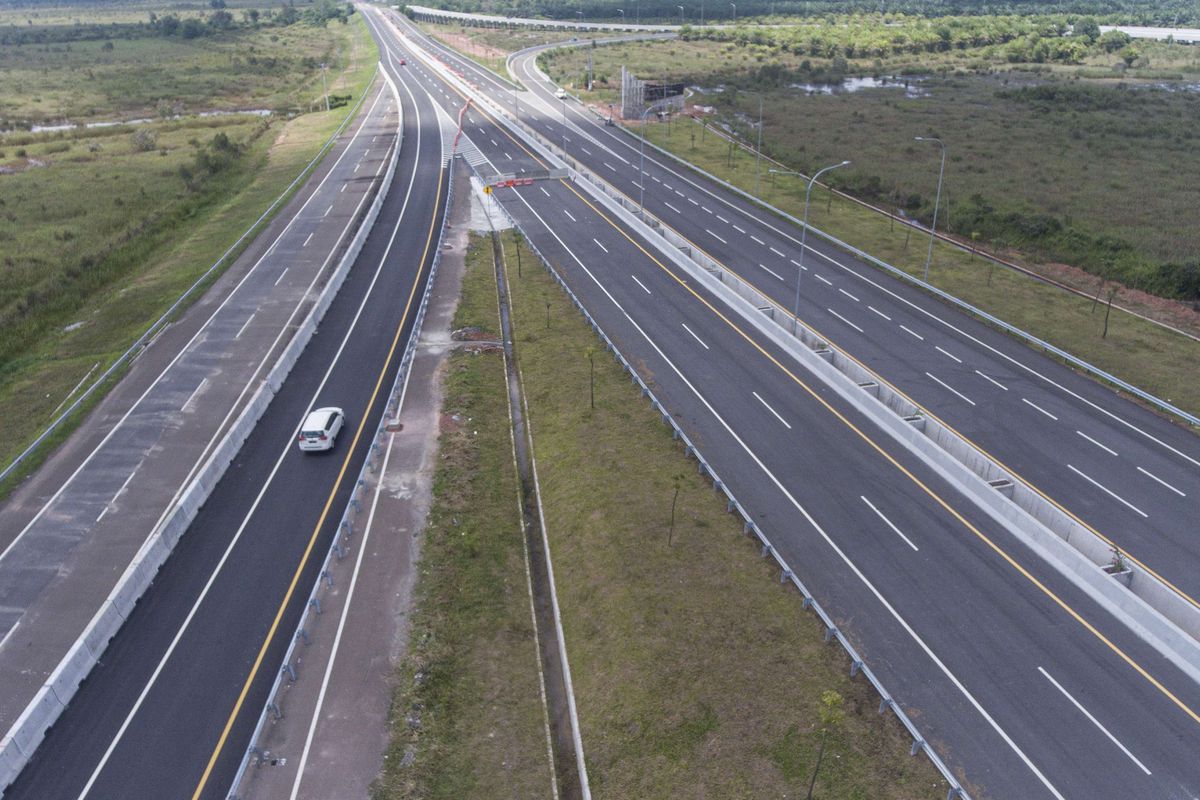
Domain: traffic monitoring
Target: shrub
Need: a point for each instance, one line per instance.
(144, 140)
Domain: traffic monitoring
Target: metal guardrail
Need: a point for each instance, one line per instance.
(156, 326)
(350, 515)
(920, 744)
(749, 526)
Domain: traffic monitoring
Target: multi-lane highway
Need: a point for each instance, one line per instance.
(1126, 473)
(1029, 688)
(169, 710)
(1025, 686)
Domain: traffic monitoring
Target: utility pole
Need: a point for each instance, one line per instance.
(937, 199)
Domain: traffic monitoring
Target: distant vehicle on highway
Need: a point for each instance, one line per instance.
(560, 94)
(403, 62)
(320, 429)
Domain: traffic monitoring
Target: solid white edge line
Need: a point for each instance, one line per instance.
(948, 387)
(1108, 491)
(811, 521)
(1094, 721)
(254, 507)
(337, 638)
(767, 405)
(1154, 477)
(897, 531)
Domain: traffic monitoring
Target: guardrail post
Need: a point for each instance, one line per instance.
(807, 604)
(884, 704)
(953, 793)
(785, 576)
(303, 634)
(766, 550)
(917, 746)
(829, 633)
(730, 506)
(347, 526)
(328, 576)
(855, 666)
(315, 602)
(274, 709)
(290, 672)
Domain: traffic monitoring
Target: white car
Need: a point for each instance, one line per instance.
(320, 429)
(560, 94)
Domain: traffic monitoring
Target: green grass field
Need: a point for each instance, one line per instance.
(471, 672)
(119, 78)
(83, 279)
(1106, 159)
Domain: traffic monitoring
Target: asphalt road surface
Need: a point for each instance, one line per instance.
(1025, 686)
(169, 711)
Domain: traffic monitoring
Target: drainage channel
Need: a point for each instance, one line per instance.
(567, 746)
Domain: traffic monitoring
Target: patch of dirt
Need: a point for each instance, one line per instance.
(473, 334)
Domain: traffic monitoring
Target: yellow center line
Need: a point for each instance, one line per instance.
(978, 448)
(885, 454)
(312, 540)
(904, 470)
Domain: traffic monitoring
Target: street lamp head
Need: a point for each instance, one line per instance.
(844, 163)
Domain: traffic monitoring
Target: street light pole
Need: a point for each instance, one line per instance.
(937, 199)
(621, 11)
(804, 232)
(734, 7)
(680, 15)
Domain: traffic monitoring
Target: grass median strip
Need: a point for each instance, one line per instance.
(467, 716)
(695, 674)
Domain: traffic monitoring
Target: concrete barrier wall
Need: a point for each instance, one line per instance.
(27, 732)
(1153, 611)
